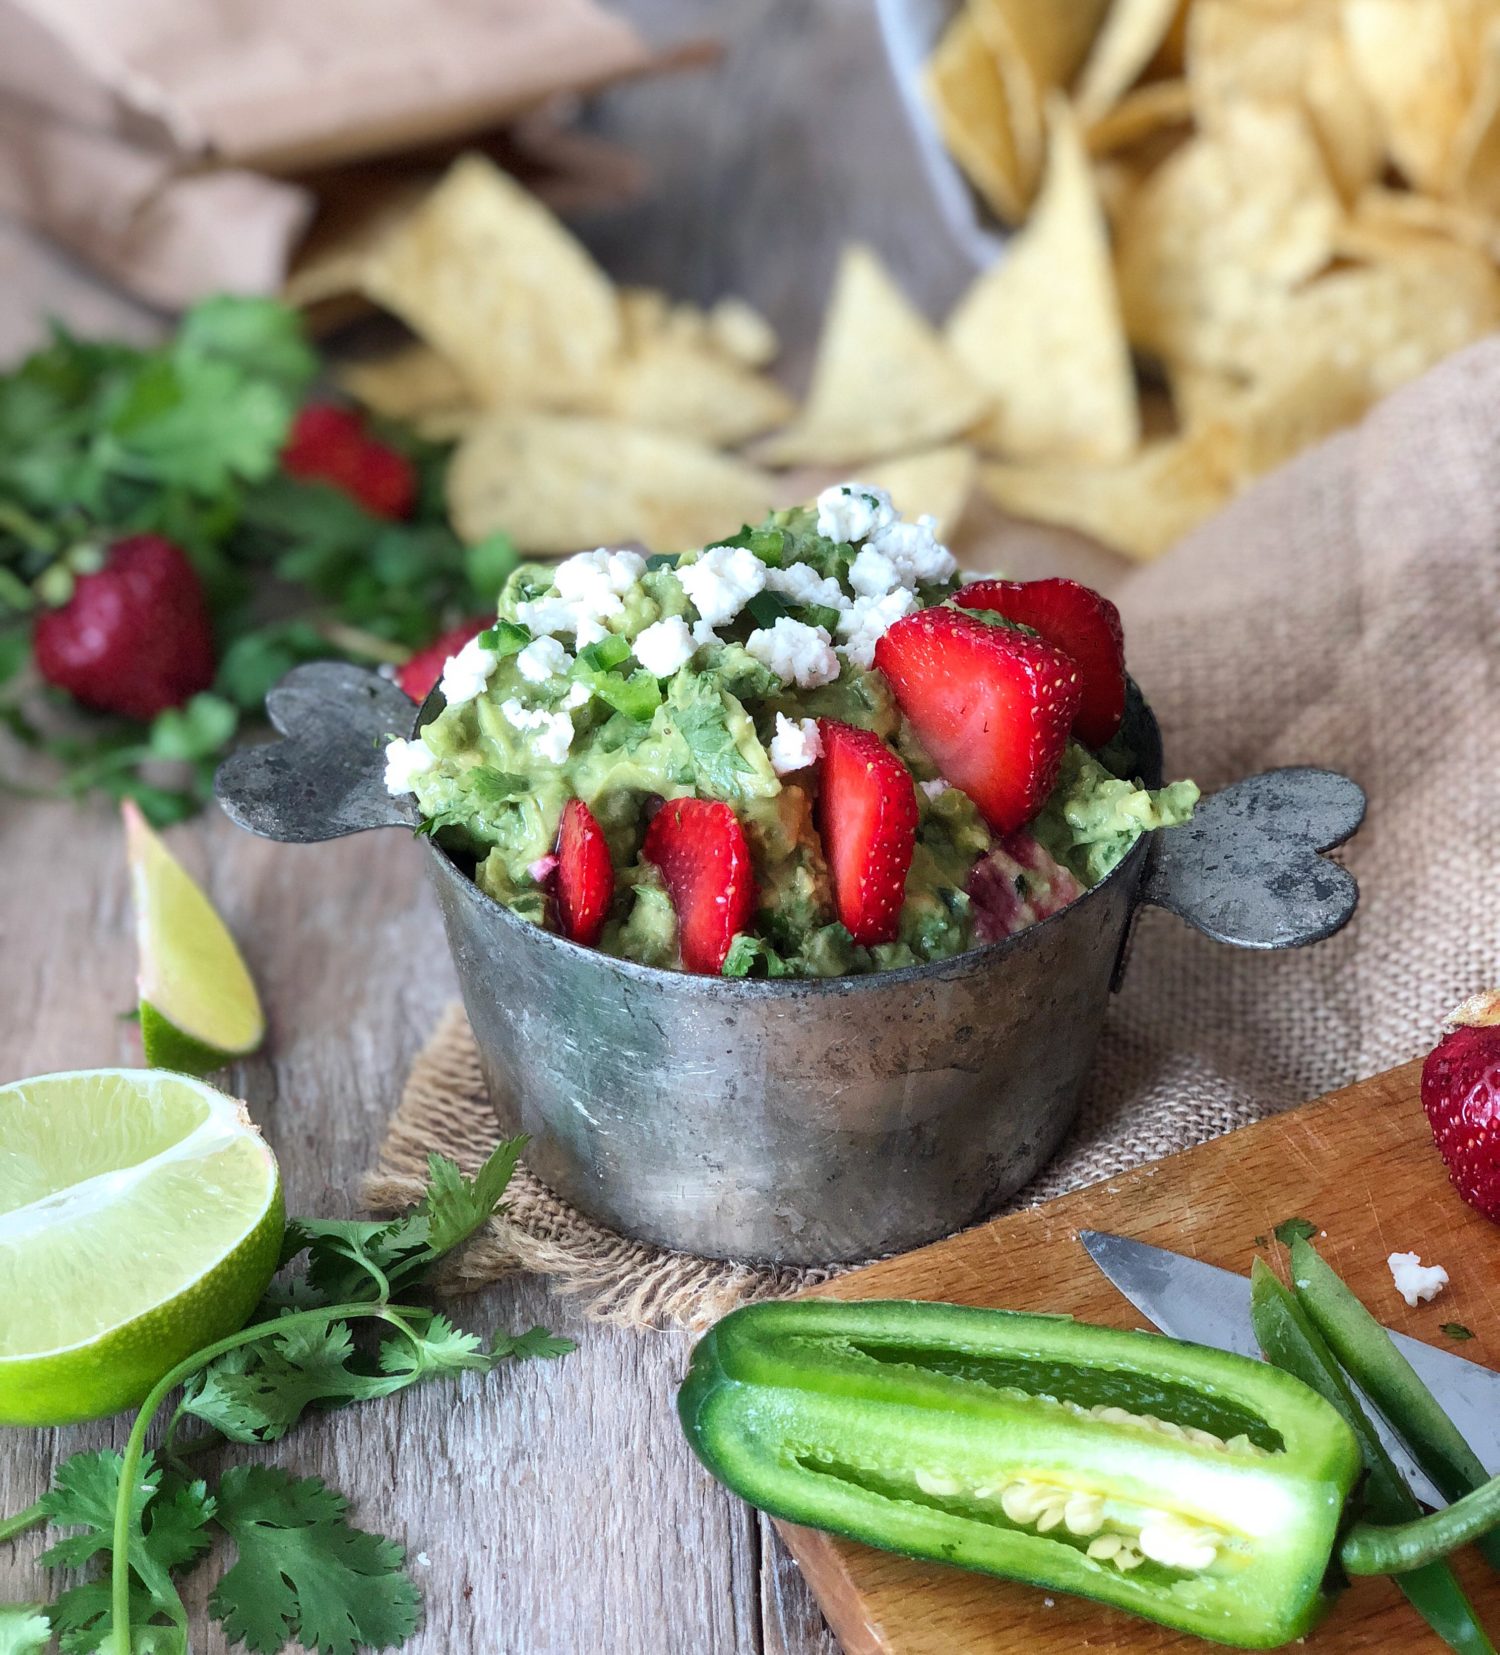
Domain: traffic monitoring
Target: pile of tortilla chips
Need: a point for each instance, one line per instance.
(586, 415)
(1282, 208)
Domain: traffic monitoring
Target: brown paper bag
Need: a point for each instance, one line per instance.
(164, 140)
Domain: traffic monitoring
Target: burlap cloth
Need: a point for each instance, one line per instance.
(1346, 612)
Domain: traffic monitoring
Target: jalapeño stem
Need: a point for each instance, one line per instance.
(1370, 1356)
(1289, 1339)
(1378, 1549)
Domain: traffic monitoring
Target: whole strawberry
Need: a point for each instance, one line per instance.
(134, 638)
(329, 444)
(1461, 1094)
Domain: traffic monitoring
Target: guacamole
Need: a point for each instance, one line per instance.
(623, 681)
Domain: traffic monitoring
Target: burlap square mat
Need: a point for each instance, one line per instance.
(1344, 612)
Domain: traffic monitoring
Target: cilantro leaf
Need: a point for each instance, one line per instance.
(455, 1205)
(198, 730)
(257, 1393)
(701, 719)
(536, 1342)
(24, 1629)
(1457, 1331)
(440, 1348)
(257, 335)
(167, 1529)
(198, 422)
(1294, 1229)
(303, 1572)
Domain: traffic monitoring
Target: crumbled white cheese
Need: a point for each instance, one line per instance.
(664, 646)
(592, 578)
(801, 583)
(795, 652)
(589, 588)
(551, 733)
(1416, 1282)
(872, 574)
(466, 674)
(795, 745)
(852, 511)
(867, 621)
(914, 549)
(934, 789)
(703, 634)
(721, 580)
(404, 762)
(543, 658)
(577, 695)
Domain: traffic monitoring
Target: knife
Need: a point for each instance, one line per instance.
(1188, 1299)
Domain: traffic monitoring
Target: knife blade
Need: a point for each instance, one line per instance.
(1189, 1299)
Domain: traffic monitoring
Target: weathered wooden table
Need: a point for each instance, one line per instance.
(553, 1510)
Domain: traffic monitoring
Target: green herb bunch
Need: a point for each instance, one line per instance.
(341, 1328)
(103, 441)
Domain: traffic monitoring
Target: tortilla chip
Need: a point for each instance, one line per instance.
(1476, 151)
(1053, 36)
(1141, 114)
(330, 262)
(1217, 237)
(1304, 400)
(1242, 51)
(936, 483)
(740, 331)
(1391, 320)
(554, 483)
(678, 383)
(883, 383)
(1140, 508)
(1041, 331)
(405, 384)
(643, 313)
(490, 278)
(1408, 57)
(1395, 217)
(1132, 32)
(971, 103)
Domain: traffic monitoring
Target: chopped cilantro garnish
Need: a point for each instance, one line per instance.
(1457, 1330)
(1294, 1229)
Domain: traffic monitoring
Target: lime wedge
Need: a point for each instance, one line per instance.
(140, 1219)
(199, 1008)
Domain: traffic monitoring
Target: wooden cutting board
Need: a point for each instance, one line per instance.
(1360, 1163)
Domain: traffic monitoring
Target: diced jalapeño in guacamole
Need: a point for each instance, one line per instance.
(625, 682)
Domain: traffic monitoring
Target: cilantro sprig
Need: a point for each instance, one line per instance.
(183, 440)
(342, 1328)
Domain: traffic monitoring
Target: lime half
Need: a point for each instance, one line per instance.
(140, 1219)
(199, 1008)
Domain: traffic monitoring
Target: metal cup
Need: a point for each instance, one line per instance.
(800, 1121)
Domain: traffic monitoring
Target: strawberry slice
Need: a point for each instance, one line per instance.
(585, 875)
(992, 706)
(700, 848)
(1083, 625)
(868, 819)
(420, 672)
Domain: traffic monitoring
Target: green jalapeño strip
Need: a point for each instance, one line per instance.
(1201, 1490)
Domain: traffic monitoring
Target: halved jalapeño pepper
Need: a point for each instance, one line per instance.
(1201, 1490)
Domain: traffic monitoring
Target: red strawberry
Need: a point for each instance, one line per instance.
(868, 819)
(585, 874)
(134, 638)
(700, 848)
(1461, 1094)
(329, 444)
(418, 675)
(992, 706)
(1083, 625)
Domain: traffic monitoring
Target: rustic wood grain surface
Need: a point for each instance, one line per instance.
(1360, 1165)
(553, 1510)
